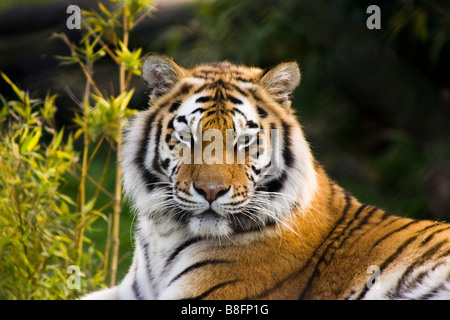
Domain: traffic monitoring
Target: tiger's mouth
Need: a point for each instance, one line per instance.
(210, 223)
(211, 214)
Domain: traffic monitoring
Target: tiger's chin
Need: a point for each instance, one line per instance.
(209, 224)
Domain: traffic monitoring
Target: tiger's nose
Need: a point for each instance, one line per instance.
(211, 192)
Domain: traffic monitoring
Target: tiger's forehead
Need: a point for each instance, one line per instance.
(217, 105)
(215, 96)
(225, 71)
(218, 95)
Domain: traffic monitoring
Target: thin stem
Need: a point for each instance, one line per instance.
(118, 187)
(107, 248)
(102, 177)
(97, 147)
(97, 185)
(79, 244)
(84, 167)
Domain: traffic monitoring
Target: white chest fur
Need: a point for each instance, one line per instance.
(162, 257)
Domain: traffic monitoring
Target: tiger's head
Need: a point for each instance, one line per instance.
(219, 150)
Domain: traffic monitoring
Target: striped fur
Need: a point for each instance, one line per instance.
(292, 234)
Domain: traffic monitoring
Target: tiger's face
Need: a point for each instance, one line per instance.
(218, 152)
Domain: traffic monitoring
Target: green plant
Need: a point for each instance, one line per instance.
(42, 229)
(36, 220)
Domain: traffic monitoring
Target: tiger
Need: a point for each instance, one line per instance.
(272, 226)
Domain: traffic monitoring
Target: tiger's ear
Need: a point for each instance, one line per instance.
(160, 73)
(281, 81)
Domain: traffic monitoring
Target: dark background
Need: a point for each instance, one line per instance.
(374, 104)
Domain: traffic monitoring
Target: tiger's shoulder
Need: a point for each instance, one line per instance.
(370, 253)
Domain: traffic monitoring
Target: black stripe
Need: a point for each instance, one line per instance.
(184, 89)
(444, 254)
(198, 110)
(219, 95)
(235, 203)
(136, 289)
(149, 177)
(172, 172)
(208, 72)
(148, 267)
(238, 89)
(170, 124)
(156, 159)
(256, 96)
(389, 221)
(203, 99)
(255, 170)
(352, 292)
(144, 140)
(348, 225)
(165, 163)
(331, 186)
(385, 216)
(186, 200)
(361, 224)
(394, 232)
(388, 261)
(234, 100)
(212, 289)
(431, 235)
(180, 248)
(198, 265)
(287, 152)
(210, 113)
(435, 291)
(175, 106)
(277, 184)
(241, 79)
(261, 112)
(240, 112)
(219, 83)
(400, 288)
(201, 88)
(181, 119)
(378, 223)
(252, 124)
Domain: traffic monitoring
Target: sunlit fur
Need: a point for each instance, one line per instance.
(294, 234)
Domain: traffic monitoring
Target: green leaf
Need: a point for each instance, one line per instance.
(20, 94)
(104, 10)
(31, 141)
(57, 139)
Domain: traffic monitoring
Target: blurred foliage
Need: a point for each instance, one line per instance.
(375, 104)
(37, 221)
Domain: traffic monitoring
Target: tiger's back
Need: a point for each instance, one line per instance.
(269, 225)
